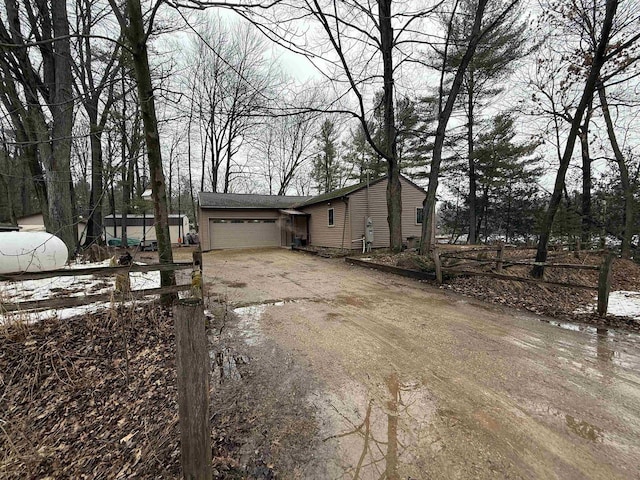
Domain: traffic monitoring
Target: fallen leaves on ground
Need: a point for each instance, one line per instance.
(555, 301)
(89, 397)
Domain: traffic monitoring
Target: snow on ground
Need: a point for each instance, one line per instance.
(624, 304)
(621, 304)
(77, 286)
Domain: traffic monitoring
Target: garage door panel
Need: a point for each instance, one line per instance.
(244, 233)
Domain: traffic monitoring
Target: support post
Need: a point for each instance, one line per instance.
(604, 285)
(499, 258)
(192, 363)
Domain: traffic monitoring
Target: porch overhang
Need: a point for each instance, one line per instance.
(289, 211)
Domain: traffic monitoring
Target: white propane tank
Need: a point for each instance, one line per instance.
(31, 252)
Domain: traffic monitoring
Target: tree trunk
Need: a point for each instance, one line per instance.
(585, 100)
(472, 165)
(137, 39)
(94, 224)
(586, 178)
(627, 232)
(443, 120)
(58, 172)
(394, 188)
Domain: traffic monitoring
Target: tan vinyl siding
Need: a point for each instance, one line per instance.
(206, 214)
(320, 233)
(412, 197)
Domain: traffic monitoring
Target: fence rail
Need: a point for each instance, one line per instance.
(604, 278)
(76, 301)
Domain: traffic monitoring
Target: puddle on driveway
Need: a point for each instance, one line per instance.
(249, 319)
(225, 364)
(600, 348)
(380, 436)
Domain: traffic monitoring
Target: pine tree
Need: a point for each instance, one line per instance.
(492, 62)
(327, 172)
(506, 174)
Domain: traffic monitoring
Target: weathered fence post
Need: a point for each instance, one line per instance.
(604, 284)
(196, 274)
(499, 257)
(192, 362)
(438, 265)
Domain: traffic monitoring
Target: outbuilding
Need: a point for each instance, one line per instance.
(336, 219)
(142, 227)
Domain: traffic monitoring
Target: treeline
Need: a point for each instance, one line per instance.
(520, 125)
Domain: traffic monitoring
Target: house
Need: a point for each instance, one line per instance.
(35, 223)
(142, 227)
(335, 219)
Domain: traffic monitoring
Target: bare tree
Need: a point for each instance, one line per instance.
(28, 88)
(602, 53)
(232, 81)
(286, 146)
(133, 29)
(95, 70)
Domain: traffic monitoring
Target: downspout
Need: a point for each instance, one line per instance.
(344, 221)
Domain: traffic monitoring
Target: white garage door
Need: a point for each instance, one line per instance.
(232, 233)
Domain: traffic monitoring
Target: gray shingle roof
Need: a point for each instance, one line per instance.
(242, 200)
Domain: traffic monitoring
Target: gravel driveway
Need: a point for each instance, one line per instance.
(408, 381)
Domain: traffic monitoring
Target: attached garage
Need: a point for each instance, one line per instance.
(235, 220)
(244, 233)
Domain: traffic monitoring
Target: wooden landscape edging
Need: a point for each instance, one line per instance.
(390, 269)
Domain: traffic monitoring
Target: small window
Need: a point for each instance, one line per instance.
(237, 221)
(419, 215)
(254, 221)
(331, 219)
(219, 221)
(269, 221)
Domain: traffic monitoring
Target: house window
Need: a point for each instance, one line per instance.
(419, 215)
(331, 219)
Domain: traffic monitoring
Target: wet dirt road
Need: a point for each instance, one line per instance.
(411, 382)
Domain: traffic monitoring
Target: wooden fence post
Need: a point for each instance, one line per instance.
(438, 265)
(604, 284)
(499, 257)
(192, 363)
(196, 274)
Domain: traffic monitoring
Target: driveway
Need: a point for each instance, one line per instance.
(413, 382)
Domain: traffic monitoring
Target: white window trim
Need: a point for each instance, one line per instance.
(334, 217)
(415, 217)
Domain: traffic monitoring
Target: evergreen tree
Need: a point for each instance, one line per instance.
(360, 159)
(492, 63)
(327, 172)
(507, 173)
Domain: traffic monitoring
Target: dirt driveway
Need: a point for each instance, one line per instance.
(404, 380)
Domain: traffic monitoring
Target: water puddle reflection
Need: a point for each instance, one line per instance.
(584, 429)
(379, 438)
(225, 364)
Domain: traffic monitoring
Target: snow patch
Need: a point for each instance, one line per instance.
(81, 285)
(621, 304)
(624, 304)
